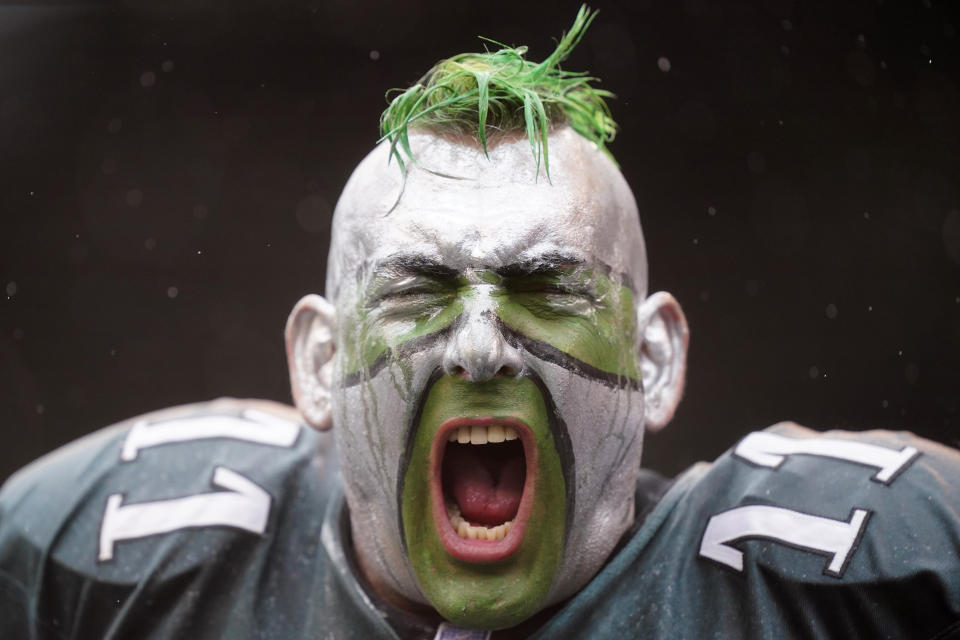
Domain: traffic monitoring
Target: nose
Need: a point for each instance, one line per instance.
(477, 349)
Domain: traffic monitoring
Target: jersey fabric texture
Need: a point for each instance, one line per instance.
(226, 520)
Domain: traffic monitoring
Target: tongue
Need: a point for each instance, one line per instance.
(488, 491)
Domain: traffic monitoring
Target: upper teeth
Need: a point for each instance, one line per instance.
(482, 434)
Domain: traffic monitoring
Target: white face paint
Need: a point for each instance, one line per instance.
(461, 207)
(474, 221)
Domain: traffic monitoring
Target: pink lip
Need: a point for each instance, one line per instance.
(481, 551)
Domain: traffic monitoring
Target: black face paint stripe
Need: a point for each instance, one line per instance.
(537, 348)
(415, 344)
(549, 353)
(408, 452)
(561, 439)
(356, 377)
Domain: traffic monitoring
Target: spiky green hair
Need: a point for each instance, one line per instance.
(480, 93)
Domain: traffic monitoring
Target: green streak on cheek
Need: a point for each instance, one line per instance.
(486, 596)
(604, 338)
(371, 337)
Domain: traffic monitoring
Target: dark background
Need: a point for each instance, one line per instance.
(167, 177)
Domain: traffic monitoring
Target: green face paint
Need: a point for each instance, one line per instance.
(586, 319)
(578, 311)
(502, 593)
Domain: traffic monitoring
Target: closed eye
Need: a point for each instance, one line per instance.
(412, 292)
(411, 297)
(551, 287)
(407, 277)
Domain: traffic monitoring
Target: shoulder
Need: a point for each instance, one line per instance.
(837, 472)
(226, 463)
(128, 530)
(867, 518)
(793, 533)
(797, 479)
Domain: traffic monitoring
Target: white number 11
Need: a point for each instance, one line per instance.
(836, 539)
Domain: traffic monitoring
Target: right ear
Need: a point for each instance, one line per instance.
(663, 356)
(311, 338)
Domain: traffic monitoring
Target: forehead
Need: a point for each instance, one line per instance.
(462, 209)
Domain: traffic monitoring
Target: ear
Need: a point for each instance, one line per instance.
(663, 356)
(311, 343)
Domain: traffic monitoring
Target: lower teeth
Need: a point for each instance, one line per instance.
(469, 531)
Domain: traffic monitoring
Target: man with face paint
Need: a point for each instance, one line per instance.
(488, 358)
(479, 354)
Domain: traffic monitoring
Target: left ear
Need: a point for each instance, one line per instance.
(663, 333)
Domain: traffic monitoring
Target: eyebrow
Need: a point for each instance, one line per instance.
(405, 265)
(544, 264)
(414, 265)
(552, 263)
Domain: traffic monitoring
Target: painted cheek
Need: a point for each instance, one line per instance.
(377, 335)
(602, 337)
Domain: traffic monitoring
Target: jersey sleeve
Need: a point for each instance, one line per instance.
(790, 534)
(835, 534)
(159, 524)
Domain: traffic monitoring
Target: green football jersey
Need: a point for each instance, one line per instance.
(791, 534)
(227, 520)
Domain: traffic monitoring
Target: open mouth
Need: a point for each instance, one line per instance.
(483, 476)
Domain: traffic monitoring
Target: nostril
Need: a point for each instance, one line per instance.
(507, 371)
(478, 351)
